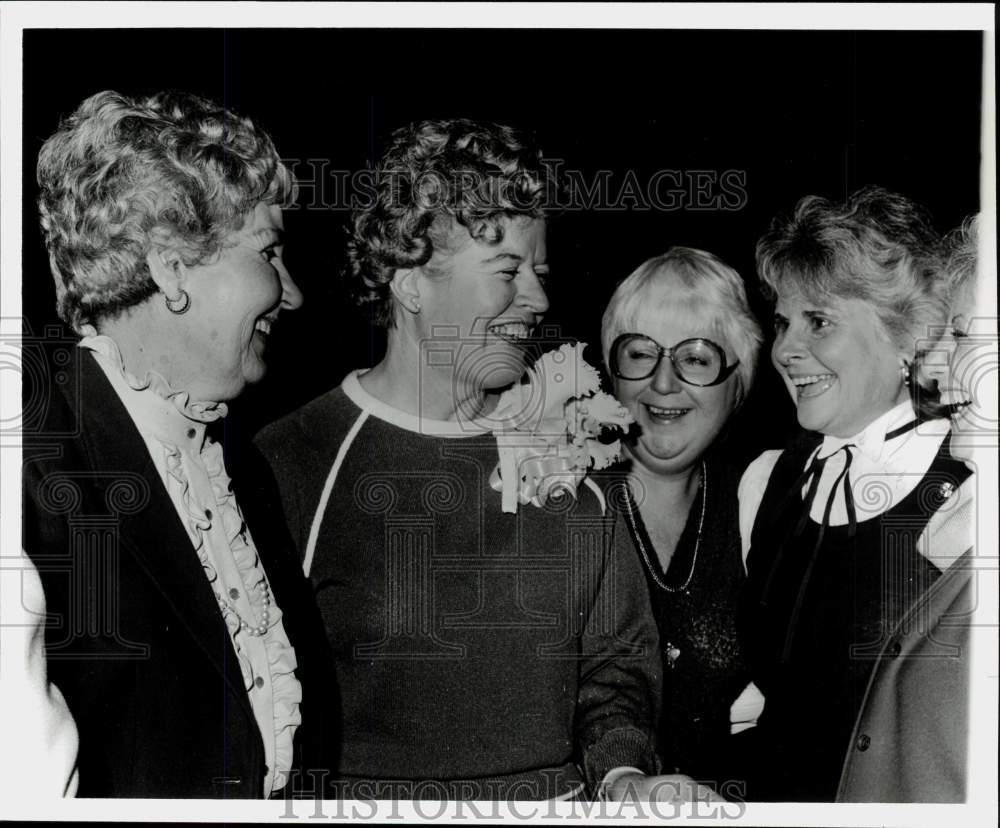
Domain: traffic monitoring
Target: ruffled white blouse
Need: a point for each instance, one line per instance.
(191, 467)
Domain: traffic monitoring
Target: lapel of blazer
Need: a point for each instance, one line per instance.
(915, 628)
(256, 492)
(154, 534)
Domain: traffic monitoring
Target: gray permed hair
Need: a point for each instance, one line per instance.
(121, 173)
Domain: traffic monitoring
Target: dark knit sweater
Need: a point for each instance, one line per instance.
(470, 644)
(698, 624)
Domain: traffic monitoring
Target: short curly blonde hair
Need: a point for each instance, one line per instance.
(433, 174)
(121, 172)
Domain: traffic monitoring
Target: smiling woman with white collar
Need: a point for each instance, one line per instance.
(480, 654)
(839, 527)
(172, 620)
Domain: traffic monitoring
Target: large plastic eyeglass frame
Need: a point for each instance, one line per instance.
(724, 368)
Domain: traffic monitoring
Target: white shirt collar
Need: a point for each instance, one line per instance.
(870, 441)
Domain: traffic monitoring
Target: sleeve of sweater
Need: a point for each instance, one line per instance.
(281, 445)
(620, 674)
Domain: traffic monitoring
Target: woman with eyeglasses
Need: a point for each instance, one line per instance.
(681, 345)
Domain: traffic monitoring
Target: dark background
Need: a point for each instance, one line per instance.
(798, 112)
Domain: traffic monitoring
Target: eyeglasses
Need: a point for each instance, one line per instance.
(696, 361)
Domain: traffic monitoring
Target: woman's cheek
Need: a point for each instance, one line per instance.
(961, 375)
(626, 393)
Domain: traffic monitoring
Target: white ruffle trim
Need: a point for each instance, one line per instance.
(204, 411)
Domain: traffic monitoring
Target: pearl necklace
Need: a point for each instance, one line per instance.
(260, 626)
(653, 566)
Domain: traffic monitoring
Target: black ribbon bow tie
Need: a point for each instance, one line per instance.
(812, 473)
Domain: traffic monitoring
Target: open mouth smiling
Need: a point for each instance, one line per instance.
(264, 323)
(811, 385)
(658, 414)
(513, 332)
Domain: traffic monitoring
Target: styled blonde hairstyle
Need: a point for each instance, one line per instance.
(120, 172)
(692, 280)
(878, 247)
(962, 257)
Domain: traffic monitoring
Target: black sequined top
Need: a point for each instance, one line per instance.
(703, 665)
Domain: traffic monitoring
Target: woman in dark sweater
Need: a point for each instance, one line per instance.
(681, 345)
(480, 654)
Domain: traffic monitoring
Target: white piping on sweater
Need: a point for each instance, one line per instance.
(324, 498)
(331, 479)
(600, 495)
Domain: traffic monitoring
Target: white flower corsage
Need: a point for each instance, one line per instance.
(549, 426)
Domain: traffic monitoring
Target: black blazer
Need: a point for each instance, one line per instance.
(135, 639)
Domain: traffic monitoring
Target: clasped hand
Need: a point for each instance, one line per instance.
(672, 787)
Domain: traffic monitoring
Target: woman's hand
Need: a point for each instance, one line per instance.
(672, 787)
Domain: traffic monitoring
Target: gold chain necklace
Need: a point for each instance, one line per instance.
(653, 567)
(671, 650)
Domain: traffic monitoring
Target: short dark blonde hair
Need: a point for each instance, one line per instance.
(436, 174)
(122, 172)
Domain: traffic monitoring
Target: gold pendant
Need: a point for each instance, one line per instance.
(673, 653)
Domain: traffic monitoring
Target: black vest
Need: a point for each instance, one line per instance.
(816, 612)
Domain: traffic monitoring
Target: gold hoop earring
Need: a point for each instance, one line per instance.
(180, 304)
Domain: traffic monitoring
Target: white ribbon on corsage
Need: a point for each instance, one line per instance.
(549, 429)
